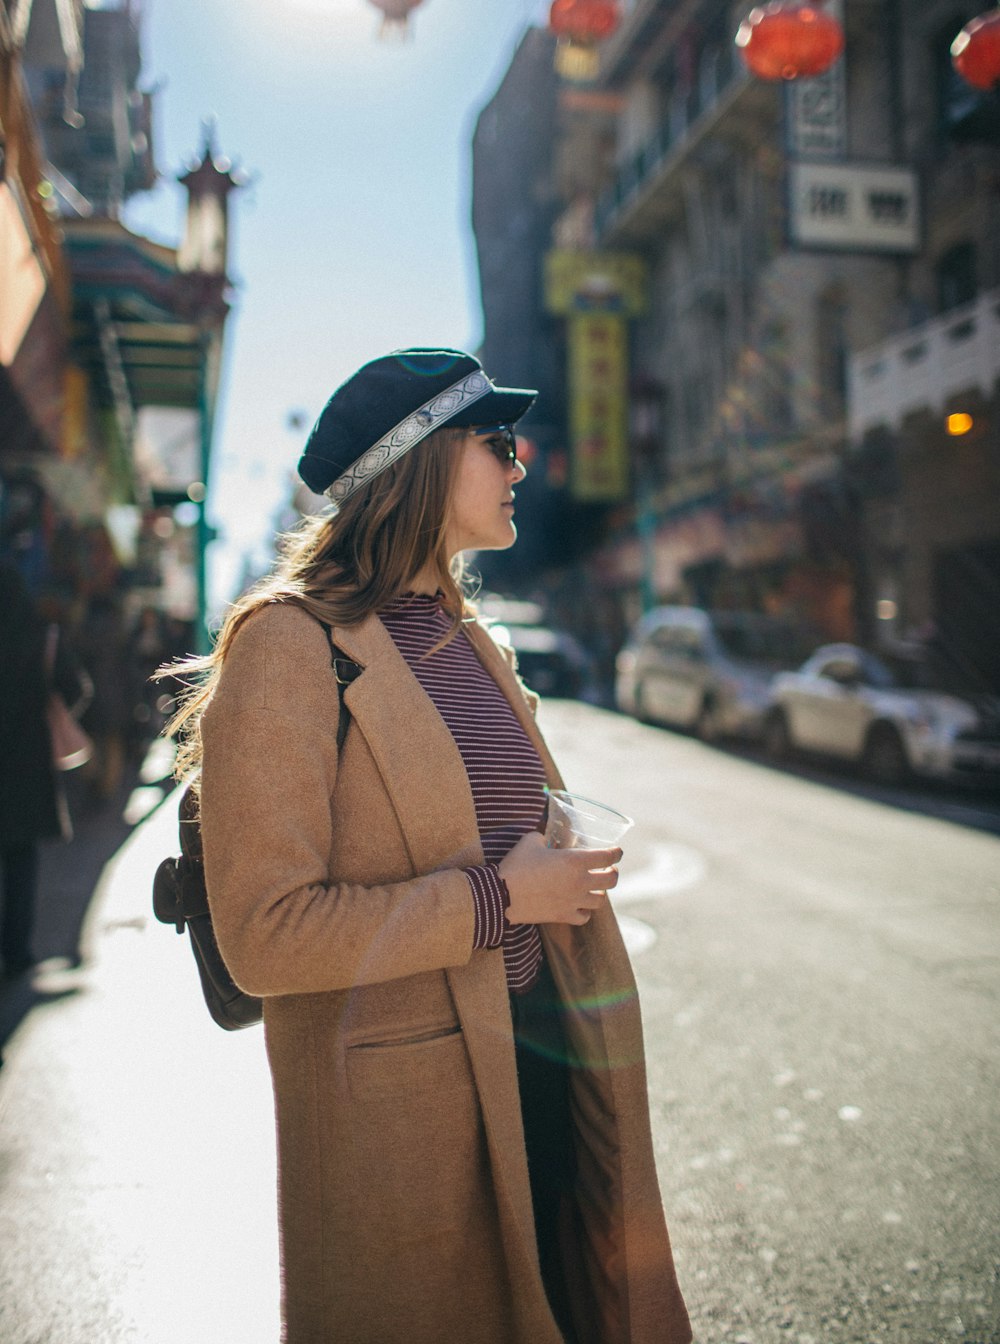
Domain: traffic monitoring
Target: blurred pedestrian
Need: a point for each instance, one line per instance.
(146, 650)
(450, 1014)
(108, 719)
(32, 802)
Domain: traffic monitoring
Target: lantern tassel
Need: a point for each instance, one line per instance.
(577, 61)
(394, 29)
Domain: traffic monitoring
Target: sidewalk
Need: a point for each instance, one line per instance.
(136, 1148)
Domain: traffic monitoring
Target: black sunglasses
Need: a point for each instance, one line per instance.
(502, 442)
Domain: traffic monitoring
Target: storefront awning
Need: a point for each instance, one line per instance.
(139, 327)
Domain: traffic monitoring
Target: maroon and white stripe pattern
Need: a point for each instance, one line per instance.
(504, 769)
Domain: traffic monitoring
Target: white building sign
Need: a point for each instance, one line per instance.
(816, 109)
(860, 207)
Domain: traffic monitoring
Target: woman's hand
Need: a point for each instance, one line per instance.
(556, 886)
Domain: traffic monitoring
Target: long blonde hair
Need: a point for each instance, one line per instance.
(341, 568)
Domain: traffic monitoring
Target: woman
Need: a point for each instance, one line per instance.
(394, 904)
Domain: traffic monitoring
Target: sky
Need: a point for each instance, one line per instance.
(352, 237)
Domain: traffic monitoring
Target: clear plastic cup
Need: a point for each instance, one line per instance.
(577, 822)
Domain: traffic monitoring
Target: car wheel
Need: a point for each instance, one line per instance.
(777, 739)
(706, 725)
(884, 758)
(641, 712)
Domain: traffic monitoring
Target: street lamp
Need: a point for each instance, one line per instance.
(645, 434)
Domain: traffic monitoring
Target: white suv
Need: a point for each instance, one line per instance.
(845, 703)
(708, 672)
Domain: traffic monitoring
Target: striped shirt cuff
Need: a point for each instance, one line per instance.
(490, 898)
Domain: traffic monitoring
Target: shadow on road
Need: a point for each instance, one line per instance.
(966, 804)
(68, 878)
(975, 804)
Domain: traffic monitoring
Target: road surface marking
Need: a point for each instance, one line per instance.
(671, 868)
(637, 936)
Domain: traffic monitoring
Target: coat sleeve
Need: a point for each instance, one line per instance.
(268, 774)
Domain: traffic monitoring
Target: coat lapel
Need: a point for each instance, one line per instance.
(426, 779)
(412, 746)
(413, 749)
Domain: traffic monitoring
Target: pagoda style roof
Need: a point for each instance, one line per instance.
(140, 327)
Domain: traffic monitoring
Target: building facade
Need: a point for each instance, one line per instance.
(111, 343)
(822, 263)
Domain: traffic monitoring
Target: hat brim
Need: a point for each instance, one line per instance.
(502, 406)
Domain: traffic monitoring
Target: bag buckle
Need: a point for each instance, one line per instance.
(345, 671)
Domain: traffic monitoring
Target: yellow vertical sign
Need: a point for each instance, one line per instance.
(597, 292)
(597, 389)
(73, 442)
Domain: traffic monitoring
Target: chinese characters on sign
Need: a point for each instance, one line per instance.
(597, 292)
(598, 379)
(863, 207)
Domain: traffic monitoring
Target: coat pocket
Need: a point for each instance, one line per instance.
(417, 1137)
(422, 1038)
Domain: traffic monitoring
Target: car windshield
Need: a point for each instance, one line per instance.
(876, 673)
(855, 663)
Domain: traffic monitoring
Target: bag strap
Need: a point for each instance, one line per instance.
(345, 671)
(179, 886)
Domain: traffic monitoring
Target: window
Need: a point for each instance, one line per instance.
(695, 410)
(776, 378)
(956, 277)
(842, 669)
(831, 354)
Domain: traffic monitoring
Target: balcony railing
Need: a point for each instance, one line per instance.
(923, 368)
(688, 120)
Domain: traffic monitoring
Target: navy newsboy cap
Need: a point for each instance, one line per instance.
(390, 404)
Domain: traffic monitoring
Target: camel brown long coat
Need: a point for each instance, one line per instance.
(337, 895)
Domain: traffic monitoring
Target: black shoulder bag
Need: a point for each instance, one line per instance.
(180, 897)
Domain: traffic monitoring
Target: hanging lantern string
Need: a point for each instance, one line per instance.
(395, 16)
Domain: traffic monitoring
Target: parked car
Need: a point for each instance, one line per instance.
(845, 703)
(708, 672)
(497, 609)
(553, 662)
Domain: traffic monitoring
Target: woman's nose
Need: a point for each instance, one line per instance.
(520, 471)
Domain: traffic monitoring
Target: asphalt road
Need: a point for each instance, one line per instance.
(820, 981)
(819, 976)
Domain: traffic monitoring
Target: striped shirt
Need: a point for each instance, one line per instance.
(505, 773)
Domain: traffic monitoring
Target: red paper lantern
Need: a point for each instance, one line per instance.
(580, 25)
(975, 53)
(584, 20)
(789, 39)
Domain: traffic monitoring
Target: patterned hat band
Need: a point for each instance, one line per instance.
(404, 436)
